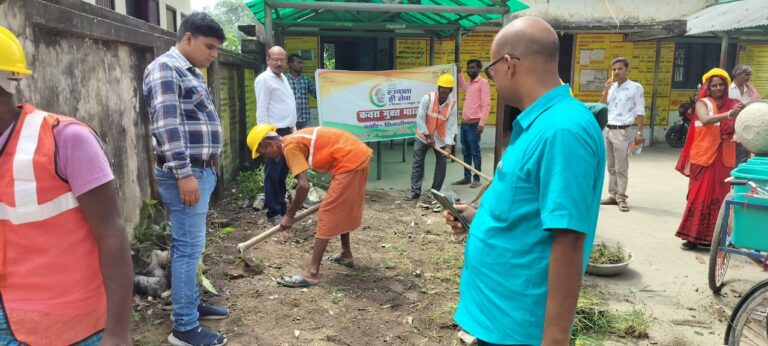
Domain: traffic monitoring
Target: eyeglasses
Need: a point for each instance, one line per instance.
(277, 59)
(489, 69)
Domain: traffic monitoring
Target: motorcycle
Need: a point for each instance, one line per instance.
(677, 133)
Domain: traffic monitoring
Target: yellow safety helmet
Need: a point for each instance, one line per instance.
(716, 72)
(258, 133)
(446, 81)
(12, 59)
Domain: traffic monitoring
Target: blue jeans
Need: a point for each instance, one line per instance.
(188, 226)
(470, 148)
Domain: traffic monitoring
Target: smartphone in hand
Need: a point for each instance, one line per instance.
(447, 204)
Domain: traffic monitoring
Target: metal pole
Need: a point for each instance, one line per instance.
(724, 51)
(501, 119)
(378, 160)
(457, 47)
(431, 51)
(355, 34)
(268, 26)
(655, 96)
(405, 144)
(394, 8)
(362, 26)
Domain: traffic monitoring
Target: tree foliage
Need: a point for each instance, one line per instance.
(230, 14)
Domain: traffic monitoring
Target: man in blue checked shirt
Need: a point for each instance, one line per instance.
(187, 138)
(302, 87)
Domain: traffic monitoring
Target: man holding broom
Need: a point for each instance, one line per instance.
(341, 212)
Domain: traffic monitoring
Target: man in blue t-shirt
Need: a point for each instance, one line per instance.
(530, 239)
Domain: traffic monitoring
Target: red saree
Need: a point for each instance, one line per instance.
(706, 189)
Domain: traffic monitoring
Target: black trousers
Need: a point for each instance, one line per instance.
(275, 173)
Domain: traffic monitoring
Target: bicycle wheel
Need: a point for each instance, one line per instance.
(718, 260)
(749, 322)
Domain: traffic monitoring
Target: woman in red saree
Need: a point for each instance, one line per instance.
(707, 158)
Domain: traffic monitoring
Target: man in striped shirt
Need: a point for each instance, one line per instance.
(187, 136)
(302, 87)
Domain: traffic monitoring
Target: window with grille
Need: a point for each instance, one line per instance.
(170, 19)
(110, 4)
(146, 10)
(692, 60)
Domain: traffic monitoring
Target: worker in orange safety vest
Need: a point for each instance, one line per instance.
(435, 127)
(65, 268)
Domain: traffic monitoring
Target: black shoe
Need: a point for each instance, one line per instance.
(197, 336)
(460, 182)
(211, 312)
(412, 196)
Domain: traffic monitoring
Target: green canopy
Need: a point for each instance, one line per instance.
(389, 20)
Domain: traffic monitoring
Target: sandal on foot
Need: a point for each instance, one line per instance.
(341, 261)
(295, 281)
(623, 206)
(688, 245)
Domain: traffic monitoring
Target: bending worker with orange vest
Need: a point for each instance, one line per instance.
(435, 126)
(65, 269)
(341, 212)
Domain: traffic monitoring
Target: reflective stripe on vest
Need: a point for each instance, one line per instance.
(312, 139)
(27, 208)
(435, 119)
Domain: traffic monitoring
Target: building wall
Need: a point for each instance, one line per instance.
(181, 6)
(597, 12)
(88, 62)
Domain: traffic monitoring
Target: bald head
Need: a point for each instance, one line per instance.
(276, 50)
(526, 51)
(530, 38)
(276, 59)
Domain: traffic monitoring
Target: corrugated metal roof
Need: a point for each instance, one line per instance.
(728, 17)
(465, 21)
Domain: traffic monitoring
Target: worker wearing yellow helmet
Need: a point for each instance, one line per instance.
(64, 256)
(435, 126)
(321, 149)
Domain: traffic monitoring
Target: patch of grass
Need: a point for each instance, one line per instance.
(251, 183)
(220, 234)
(447, 265)
(594, 322)
(443, 313)
(237, 320)
(606, 254)
(337, 296)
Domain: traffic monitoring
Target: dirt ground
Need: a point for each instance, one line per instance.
(405, 286)
(403, 289)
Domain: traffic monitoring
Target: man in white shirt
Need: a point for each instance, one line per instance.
(626, 105)
(741, 89)
(275, 105)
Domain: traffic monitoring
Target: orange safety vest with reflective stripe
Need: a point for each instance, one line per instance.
(707, 140)
(435, 117)
(331, 149)
(51, 288)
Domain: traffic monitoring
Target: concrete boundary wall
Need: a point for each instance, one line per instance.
(88, 62)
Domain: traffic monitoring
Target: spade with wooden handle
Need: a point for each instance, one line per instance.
(454, 158)
(259, 238)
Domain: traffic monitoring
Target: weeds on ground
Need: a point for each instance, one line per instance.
(152, 232)
(251, 183)
(220, 234)
(606, 254)
(594, 322)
